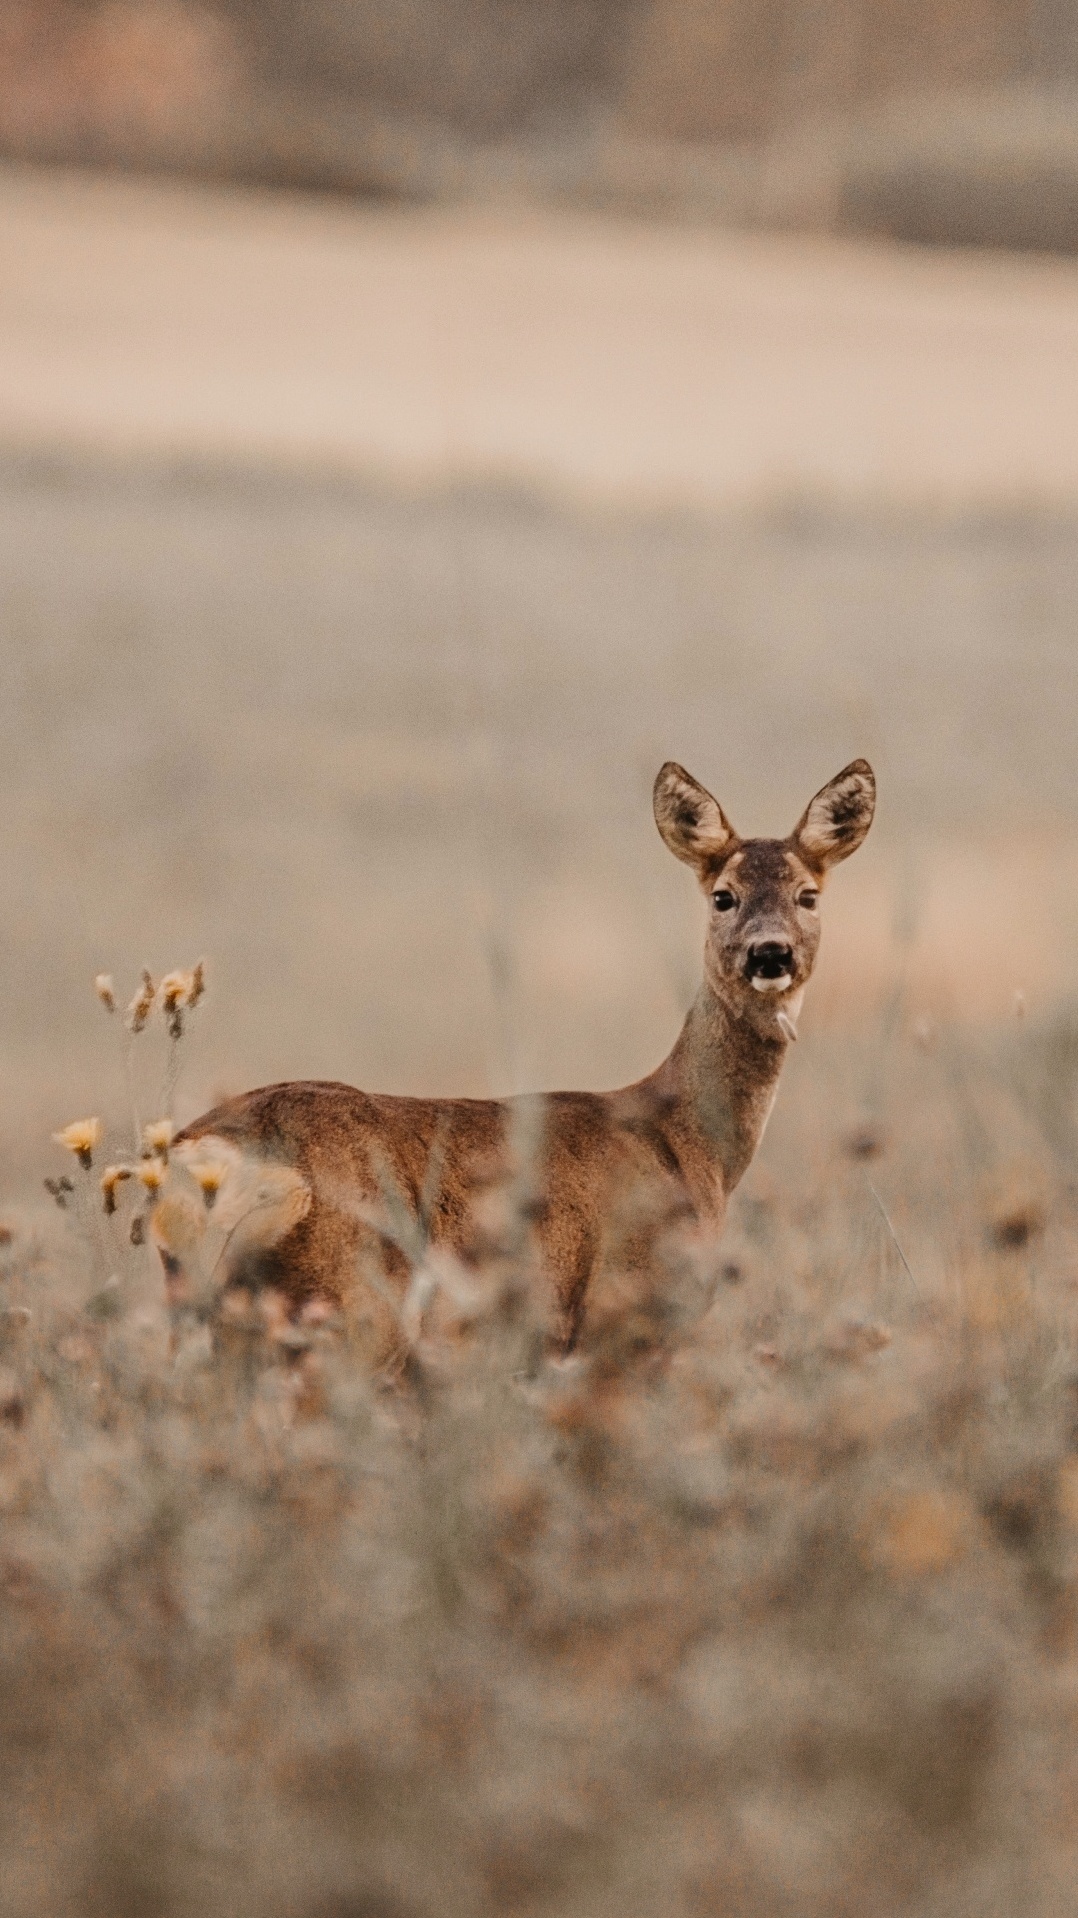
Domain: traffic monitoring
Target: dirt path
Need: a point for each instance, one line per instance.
(632, 363)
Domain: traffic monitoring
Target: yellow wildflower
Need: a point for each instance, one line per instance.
(209, 1175)
(157, 1137)
(80, 1138)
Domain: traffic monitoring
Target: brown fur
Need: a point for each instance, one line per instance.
(613, 1169)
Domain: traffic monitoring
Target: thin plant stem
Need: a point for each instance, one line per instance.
(91, 1224)
(894, 1235)
(132, 1091)
(172, 1076)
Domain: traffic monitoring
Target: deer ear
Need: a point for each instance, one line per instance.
(835, 822)
(693, 824)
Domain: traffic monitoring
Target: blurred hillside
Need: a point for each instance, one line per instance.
(923, 120)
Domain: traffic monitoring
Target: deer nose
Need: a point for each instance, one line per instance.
(770, 959)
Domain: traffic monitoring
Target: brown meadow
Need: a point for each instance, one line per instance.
(765, 1602)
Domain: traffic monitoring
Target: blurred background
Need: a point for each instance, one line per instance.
(420, 418)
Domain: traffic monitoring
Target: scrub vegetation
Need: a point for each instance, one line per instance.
(764, 1603)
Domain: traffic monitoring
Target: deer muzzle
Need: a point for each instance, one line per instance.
(769, 966)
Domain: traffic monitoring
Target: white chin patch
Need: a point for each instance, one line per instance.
(780, 984)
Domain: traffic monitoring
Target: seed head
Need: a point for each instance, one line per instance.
(142, 1004)
(106, 991)
(180, 991)
(113, 1176)
(209, 1176)
(156, 1139)
(80, 1137)
(152, 1175)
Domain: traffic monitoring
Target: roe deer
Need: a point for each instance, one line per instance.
(310, 1163)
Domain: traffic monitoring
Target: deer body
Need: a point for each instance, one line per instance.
(612, 1170)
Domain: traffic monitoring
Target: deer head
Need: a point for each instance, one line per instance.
(764, 923)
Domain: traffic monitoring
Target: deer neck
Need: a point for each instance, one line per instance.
(720, 1083)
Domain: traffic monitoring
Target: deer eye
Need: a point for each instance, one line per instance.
(724, 900)
(808, 900)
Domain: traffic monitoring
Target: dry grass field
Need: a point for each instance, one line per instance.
(764, 1605)
(767, 1605)
(766, 1602)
